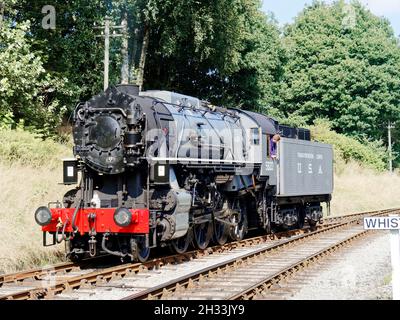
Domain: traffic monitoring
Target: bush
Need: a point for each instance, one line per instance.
(28, 149)
(369, 153)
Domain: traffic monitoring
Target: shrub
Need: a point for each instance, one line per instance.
(370, 153)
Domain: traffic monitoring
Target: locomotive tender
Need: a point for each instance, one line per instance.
(158, 168)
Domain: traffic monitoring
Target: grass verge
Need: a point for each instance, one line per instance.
(30, 172)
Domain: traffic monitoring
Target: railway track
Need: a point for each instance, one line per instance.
(290, 287)
(254, 274)
(39, 277)
(196, 269)
(60, 269)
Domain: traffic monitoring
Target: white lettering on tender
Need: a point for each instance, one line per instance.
(305, 155)
(269, 166)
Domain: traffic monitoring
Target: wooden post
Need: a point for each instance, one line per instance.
(107, 35)
(395, 254)
(106, 53)
(390, 127)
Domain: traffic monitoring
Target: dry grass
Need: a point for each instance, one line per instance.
(22, 190)
(30, 170)
(360, 189)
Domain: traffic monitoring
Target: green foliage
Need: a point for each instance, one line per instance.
(369, 153)
(71, 51)
(344, 65)
(234, 60)
(28, 149)
(7, 120)
(27, 92)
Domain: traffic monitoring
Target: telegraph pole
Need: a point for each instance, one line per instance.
(106, 34)
(106, 53)
(390, 127)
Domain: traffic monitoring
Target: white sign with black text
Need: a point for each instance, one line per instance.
(391, 223)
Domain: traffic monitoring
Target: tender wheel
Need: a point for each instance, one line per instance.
(140, 252)
(221, 231)
(202, 234)
(181, 244)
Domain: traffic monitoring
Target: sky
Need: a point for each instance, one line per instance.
(286, 10)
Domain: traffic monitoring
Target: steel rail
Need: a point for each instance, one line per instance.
(40, 272)
(265, 284)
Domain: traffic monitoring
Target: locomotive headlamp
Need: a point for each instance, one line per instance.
(123, 217)
(43, 216)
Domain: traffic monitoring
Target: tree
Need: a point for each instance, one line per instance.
(183, 46)
(180, 45)
(71, 50)
(343, 65)
(225, 51)
(26, 91)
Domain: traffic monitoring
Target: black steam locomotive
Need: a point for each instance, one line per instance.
(157, 168)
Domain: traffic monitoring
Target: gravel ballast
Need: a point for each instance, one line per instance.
(361, 272)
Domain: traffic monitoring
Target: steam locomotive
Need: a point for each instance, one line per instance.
(157, 168)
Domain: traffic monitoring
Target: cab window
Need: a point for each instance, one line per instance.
(255, 136)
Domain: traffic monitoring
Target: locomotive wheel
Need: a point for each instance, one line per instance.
(238, 232)
(220, 232)
(312, 224)
(202, 234)
(140, 251)
(143, 254)
(181, 244)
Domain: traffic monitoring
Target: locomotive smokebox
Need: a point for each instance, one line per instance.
(108, 132)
